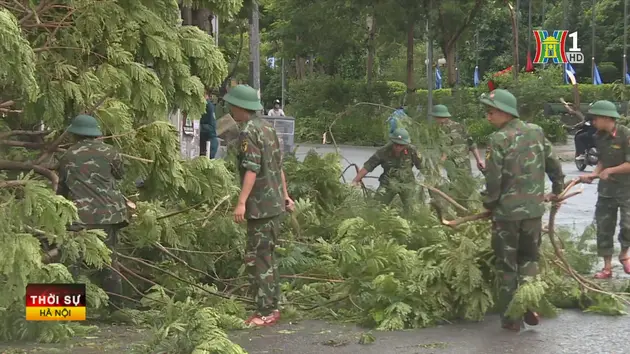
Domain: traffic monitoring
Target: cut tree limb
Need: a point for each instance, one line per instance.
(26, 166)
(487, 214)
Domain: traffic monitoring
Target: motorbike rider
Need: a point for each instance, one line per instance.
(585, 137)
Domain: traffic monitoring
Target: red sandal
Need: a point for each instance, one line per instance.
(262, 321)
(605, 273)
(626, 264)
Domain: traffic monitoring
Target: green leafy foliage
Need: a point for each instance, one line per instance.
(318, 102)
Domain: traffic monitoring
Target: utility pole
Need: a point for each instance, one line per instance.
(215, 29)
(625, 40)
(254, 48)
(282, 78)
(542, 22)
(529, 26)
(517, 16)
(593, 43)
(429, 62)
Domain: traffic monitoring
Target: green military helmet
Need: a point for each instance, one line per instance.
(85, 125)
(400, 136)
(603, 109)
(440, 111)
(245, 97)
(502, 100)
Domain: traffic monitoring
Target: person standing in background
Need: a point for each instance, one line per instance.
(276, 111)
(208, 125)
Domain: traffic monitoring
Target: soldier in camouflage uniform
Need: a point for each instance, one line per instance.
(262, 201)
(397, 159)
(87, 176)
(458, 143)
(517, 158)
(456, 147)
(612, 141)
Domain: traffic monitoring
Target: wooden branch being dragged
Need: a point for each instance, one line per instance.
(486, 214)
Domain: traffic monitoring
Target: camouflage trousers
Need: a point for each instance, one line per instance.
(262, 236)
(407, 193)
(109, 279)
(606, 221)
(515, 244)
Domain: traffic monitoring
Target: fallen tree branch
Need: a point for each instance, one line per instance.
(585, 283)
(51, 148)
(487, 214)
(15, 183)
(25, 166)
(311, 278)
(6, 104)
(138, 276)
(142, 261)
(11, 133)
(446, 197)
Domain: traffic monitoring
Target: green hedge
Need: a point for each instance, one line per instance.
(359, 111)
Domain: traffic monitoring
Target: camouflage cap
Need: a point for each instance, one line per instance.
(245, 97)
(85, 125)
(603, 109)
(440, 111)
(400, 136)
(502, 100)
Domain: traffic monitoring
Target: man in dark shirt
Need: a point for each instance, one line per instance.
(208, 132)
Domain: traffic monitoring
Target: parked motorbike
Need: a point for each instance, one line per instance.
(591, 156)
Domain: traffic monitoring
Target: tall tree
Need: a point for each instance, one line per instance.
(452, 18)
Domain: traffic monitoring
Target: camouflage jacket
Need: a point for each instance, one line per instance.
(458, 143)
(396, 169)
(517, 158)
(260, 153)
(87, 176)
(614, 150)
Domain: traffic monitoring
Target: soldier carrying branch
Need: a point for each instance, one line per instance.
(517, 158)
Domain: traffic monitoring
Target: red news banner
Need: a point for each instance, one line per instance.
(55, 302)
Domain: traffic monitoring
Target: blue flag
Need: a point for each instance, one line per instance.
(438, 79)
(569, 68)
(597, 80)
(476, 76)
(627, 74)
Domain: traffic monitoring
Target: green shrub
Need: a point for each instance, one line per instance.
(319, 101)
(480, 130)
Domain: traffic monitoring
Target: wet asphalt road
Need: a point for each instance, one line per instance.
(572, 332)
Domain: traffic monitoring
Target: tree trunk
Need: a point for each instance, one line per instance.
(371, 51)
(201, 19)
(410, 44)
(449, 55)
(187, 17)
(311, 64)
